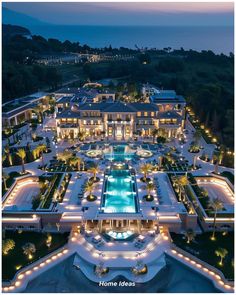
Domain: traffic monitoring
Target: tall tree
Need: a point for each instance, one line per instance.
(22, 154)
(215, 204)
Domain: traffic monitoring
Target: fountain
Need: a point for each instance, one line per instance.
(143, 153)
(111, 152)
(127, 149)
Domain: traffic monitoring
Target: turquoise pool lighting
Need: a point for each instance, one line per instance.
(119, 153)
(120, 235)
(119, 193)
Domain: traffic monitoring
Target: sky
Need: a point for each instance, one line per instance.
(128, 13)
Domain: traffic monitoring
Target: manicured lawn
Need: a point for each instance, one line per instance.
(16, 259)
(206, 249)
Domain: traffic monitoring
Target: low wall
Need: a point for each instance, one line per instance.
(18, 180)
(202, 267)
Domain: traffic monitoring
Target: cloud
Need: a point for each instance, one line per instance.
(128, 13)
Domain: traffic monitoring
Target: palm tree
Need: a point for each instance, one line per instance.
(5, 177)
(221, 153)
(35, 153)
(216, 204)
(94, 170)
(190, 235)
(89, 188)
(145, 169)
(29, 249)
(197, 136)
(150, 187)
(41, 149)
(4, 157)
(64, 156)
(56, 195)
(183, 180)
(22, 154)
(39, 111)
(49, 240)
(7, 245)
(222, 253)
(154, 133)
(8, 154)
(82, 135)
(76, 161)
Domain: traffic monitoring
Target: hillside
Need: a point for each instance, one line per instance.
(11, 30)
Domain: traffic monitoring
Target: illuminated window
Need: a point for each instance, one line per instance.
(139, 114)
(152, 114)
(145, 114)
(110, 131)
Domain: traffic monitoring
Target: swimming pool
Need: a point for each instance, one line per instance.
(119, 153)
(119, 195)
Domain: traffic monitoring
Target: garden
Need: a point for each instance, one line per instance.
(209, 206)
(179, 183)
(218, 253)
(23, 248)
(173, 163)
(52, 189)
(23, 155)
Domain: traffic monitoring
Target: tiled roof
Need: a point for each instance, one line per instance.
(120, 107)
(169, 115)
(68, 114)
(166, 96)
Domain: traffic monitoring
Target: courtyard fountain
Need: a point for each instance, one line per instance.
(143, 153)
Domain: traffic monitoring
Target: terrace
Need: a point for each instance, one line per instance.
(218, 188)
(214, 187)
(20, 196)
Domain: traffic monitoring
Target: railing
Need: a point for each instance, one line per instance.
(16, 181)
(204, 266)
(32, 265)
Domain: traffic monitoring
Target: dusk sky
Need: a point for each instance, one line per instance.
(218, 13)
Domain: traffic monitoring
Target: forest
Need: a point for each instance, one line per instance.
(204, 78)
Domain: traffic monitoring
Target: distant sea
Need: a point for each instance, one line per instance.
(219, 39)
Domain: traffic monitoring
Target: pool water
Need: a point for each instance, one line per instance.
(119, 193)
(119, 154)
(120, 235)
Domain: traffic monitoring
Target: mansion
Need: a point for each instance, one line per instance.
(116, 120)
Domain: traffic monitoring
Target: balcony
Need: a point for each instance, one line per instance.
(170, 125)
(118, 121)
(147, 124)
(68, 125)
